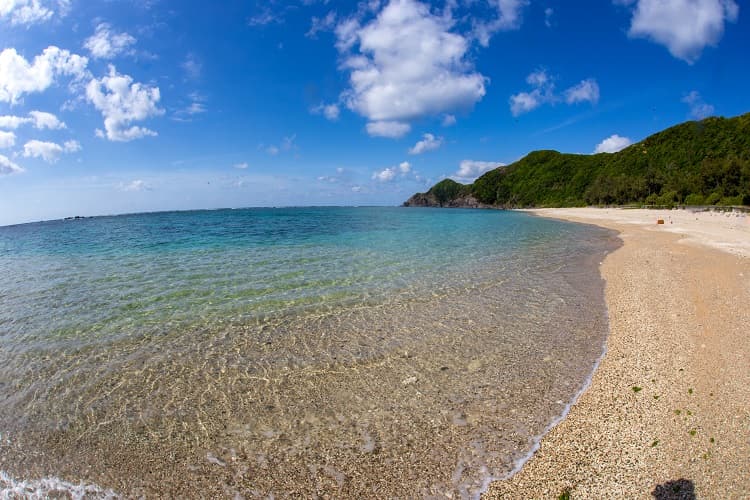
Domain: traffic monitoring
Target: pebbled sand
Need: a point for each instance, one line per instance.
(668, 410)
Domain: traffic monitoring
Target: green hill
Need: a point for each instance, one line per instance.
(694, 163)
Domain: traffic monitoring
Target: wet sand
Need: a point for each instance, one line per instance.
(668, 410)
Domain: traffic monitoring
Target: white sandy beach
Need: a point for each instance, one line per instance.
(668, 410)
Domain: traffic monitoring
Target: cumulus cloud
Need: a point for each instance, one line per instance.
(28, 12)
(508, 17)
(684, 27)
(7, 167)
(106, 43)
(585, 91)
(428, 143)
(12, 122)
(42, 120)
(391, 130)
(523, 102)
(699, 109)
(18, 76)
(39, 119)
(543, 92)
(612, 144)
(403, 170)
(470, 170)
(49, 151)
(408, 64)
(385, 175)
(449, 120)
(330, 111)
(241, 166)
(7, 140)
(122, 102)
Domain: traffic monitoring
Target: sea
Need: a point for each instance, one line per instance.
(291, 352)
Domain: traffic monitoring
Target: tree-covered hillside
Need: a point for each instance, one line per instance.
(694, 163)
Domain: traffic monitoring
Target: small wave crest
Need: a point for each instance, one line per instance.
(12, 488)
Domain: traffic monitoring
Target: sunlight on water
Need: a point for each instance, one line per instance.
(344, 352)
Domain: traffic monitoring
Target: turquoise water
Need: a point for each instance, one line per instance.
(334, 350)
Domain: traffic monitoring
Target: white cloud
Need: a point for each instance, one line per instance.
(699, 109)
(405, 167)
(7, 167)
(12, 122)
(508, 18)
(449, 120)
(49, 151)
(7, 140)
(241, 166)
(272, 150)
(385, 175)
(523, 102)
(330, 111)
(122, 102)
(19, 77)
(428, 143)
(136, 185)
(192, 66)
(319, 24)
(613, 144)
(106, 43)
(543, 92)
(470, 170)
(44, 120)
(585, 91)
(409, 64)
(28, 12)
(40, 119)
(71, 146)
(685, 27)
(392, 130)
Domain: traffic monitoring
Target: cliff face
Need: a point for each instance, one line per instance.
(429, 200)
(448, 194)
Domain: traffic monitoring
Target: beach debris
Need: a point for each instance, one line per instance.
(409, 381)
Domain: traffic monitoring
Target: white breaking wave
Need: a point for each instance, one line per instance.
(11, 488)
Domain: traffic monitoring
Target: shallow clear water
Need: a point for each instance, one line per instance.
(300, 351)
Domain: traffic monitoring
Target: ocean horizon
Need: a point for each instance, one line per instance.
(307, 351)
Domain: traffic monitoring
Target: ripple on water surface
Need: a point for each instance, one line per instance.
(344, 352)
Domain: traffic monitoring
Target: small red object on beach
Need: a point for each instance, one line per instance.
(660, 221)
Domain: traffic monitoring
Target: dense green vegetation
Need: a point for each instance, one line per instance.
(694, 163)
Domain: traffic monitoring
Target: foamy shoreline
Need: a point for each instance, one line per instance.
(668, 406)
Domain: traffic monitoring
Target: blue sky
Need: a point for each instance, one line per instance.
(139, 105)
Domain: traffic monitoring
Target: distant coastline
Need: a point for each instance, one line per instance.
(695, 163)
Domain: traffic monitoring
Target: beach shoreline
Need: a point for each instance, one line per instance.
(666, 410)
